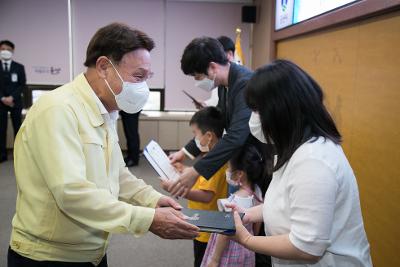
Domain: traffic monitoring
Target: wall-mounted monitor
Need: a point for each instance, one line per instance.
(289, 12)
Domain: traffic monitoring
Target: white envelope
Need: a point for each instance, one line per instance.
(160, 161)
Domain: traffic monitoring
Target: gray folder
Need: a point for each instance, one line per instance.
(212, 221)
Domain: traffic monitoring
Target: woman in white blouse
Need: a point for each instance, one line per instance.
(311, 211)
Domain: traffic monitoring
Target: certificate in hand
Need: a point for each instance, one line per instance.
(195, 101)
(212, 221)
(160, 161)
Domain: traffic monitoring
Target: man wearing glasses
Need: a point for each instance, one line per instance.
(74, 189)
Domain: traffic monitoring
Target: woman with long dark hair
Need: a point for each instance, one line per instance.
(311, 210)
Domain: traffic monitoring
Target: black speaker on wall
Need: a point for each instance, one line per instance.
(249, 14)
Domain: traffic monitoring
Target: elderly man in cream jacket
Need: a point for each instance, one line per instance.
(73, 187)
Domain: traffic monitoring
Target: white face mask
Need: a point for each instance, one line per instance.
(132, 97)
(256, 128)
(202, 148)
(5, 54)
(229, 180)
(206, 84)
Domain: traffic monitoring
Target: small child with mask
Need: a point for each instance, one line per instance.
(207, 125)
(246, 169)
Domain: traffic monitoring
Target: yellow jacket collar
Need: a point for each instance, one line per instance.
(85, 91)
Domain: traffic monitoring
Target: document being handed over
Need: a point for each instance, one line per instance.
(160, 161)
(212, 221)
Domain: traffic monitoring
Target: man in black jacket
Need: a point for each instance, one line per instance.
(130, 123)
(205, 59)
(12, 82)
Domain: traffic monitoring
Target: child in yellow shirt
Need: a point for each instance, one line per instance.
(207, 125)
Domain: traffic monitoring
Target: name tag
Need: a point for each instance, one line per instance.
(14, 77)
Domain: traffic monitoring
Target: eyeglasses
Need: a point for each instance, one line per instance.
(138, 78)
(141, 75)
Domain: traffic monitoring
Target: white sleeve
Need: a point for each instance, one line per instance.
(187, 153)
(312, 190)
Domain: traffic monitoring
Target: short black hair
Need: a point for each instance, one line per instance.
(227, 43)
(291, 108)
(250, 160)
(209, 119)
(114, 41)
(8, 43)
(199, 53)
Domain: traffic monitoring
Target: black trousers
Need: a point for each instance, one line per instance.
(199, 249)
(130, 122)
(16, 119)
(16, 260)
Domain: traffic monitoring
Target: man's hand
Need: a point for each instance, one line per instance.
(182, 186)
(8, 101)
(199, 105)
(169, 224)
(165, 201)
(11, 101)
(165, 184)
(179, 167)
(178, 156)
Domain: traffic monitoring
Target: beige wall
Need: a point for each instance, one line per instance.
(262, 34)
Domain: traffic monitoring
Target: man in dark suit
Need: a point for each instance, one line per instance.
(205, 60)
(130, 122)
(12, 82)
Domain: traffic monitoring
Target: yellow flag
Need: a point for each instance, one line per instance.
(239, 58)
